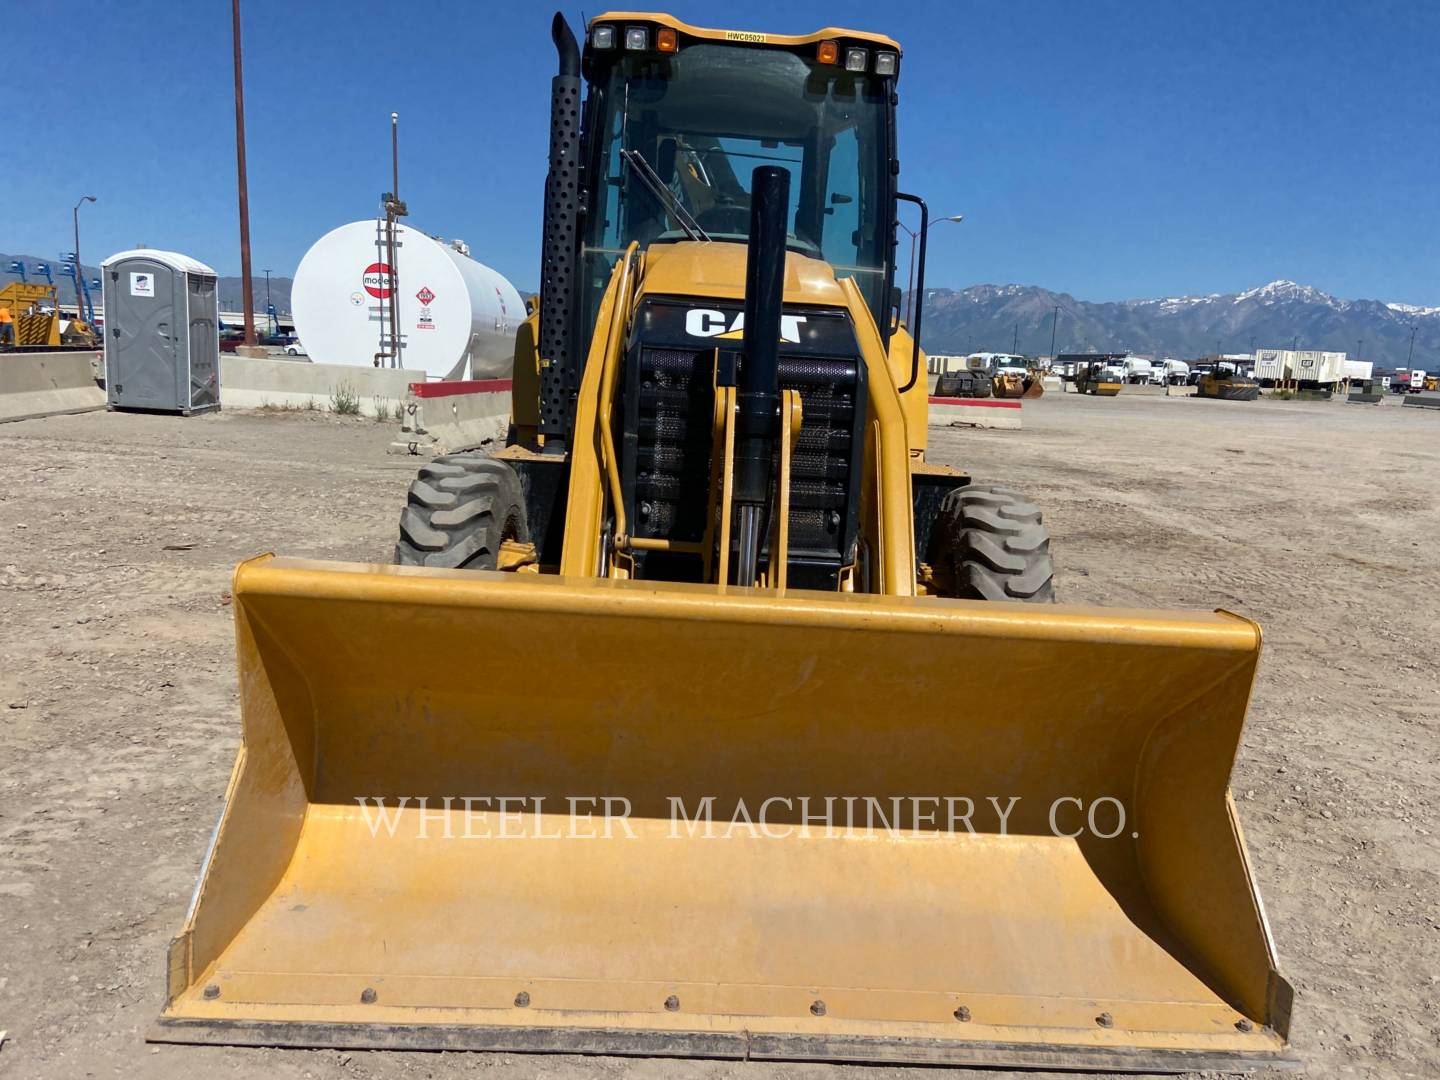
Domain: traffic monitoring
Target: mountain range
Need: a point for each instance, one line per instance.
(1019, 318)
(229, 287)
(1280, 315)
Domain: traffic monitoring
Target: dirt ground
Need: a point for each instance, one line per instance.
(118, 534)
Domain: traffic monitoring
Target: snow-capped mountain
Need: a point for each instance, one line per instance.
(1281, 314)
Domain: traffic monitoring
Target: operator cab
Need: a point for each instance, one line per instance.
(678, 118)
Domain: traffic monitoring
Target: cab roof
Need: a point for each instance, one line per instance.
(743, 36)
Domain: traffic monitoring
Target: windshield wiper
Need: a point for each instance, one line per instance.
(651, 179)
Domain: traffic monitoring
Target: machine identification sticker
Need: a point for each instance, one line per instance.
(142, 284)
(749, 36)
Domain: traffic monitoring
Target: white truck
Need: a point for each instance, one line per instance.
(1137, 369)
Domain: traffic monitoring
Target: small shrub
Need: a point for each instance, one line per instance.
(400, 411)
(310, 404)
(344, 401)
(382, 409)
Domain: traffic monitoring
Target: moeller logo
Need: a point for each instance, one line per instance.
(709, 323)
(425, 295)
(376, 280)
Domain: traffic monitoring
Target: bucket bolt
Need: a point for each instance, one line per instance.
(522, 999)
(1244, 1024)
(367, 996)
(1105, 1020)
(211, 992)
(963, 1014)
(672, 1003)
(817, 1007)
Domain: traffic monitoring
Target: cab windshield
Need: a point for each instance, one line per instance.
(703, 119)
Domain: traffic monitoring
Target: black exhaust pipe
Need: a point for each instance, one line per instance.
(758, 411)
(558, 381)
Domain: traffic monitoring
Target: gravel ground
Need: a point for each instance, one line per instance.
(118, 534)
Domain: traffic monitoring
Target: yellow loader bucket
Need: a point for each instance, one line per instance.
(528, 813)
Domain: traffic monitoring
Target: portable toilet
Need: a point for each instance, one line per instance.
(162, 332)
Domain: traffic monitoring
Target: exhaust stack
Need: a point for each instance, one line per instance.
(558, 379)
(759, 393)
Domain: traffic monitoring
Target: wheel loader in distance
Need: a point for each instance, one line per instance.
(708, 717)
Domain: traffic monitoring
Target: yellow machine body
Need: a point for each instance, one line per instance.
(1227, 387)
(35, 311)
(578, 811)
(861, 920)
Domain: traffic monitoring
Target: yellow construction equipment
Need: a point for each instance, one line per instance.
(36, 313)
(690, 723)
(1098, 379)
(1227, 385)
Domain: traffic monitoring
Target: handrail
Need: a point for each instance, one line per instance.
(616, 344)
(917, 299)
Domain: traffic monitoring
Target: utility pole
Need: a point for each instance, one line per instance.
(80, 304)
(1410, 358)
(246, 287)
(1359, 347)
(1015, 345)
(1054, 322)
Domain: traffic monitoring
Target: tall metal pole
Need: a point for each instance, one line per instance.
(246, 287)
(1015, 345)
(1054, 322)
(1410, 358)
(79, 289)
(390, 255)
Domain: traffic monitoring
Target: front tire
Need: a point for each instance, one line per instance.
(991, 544)
(458, 512)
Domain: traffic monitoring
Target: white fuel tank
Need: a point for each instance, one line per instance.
(458, 318)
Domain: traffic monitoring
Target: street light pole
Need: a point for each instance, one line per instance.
(1054, 322)
(75, 219)
(247, 288)
(910, 284)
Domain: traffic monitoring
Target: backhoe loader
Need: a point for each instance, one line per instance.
(707, 717)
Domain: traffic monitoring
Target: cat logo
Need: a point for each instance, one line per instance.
(709, 323)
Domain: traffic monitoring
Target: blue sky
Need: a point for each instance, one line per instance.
(1109, 150)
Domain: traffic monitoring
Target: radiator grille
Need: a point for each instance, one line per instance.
(671, 448)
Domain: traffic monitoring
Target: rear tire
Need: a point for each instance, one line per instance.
(458, 512)
(990, 543)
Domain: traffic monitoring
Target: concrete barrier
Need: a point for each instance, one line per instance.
(1426, 399)
(40, 384)
(443, 417)
(975, 412)
(249, 382)
(1181, 391)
